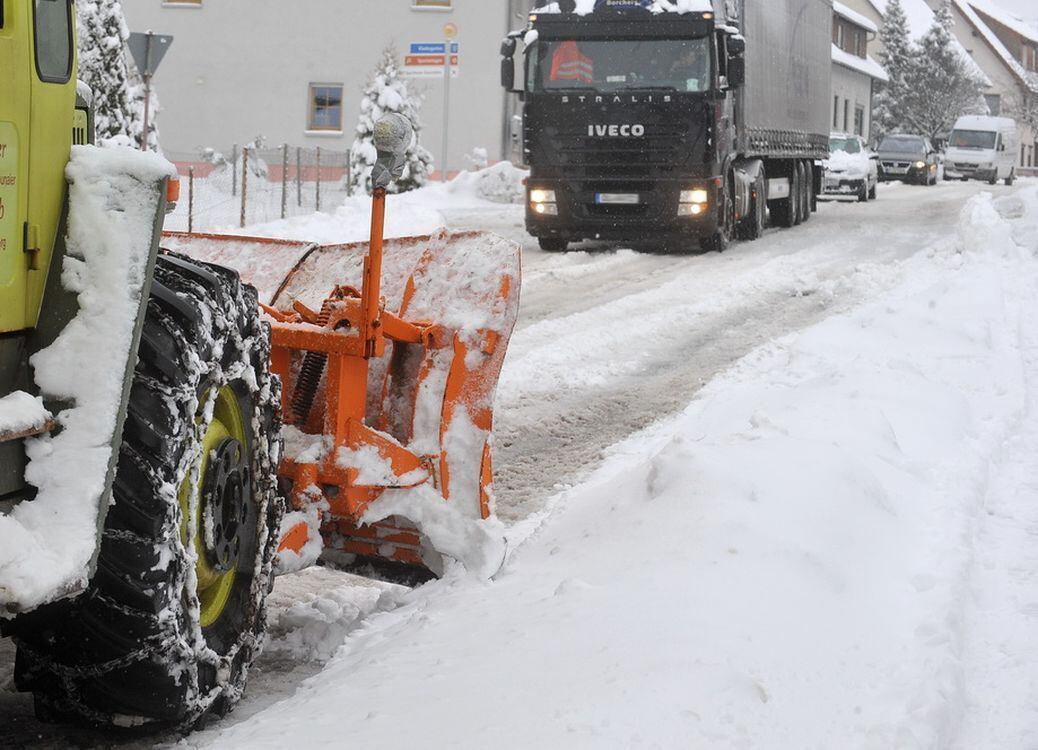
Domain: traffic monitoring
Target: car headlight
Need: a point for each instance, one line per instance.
(699, 195)
(920, 164)
(542, 196)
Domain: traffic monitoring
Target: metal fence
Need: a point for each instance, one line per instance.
(247, 185)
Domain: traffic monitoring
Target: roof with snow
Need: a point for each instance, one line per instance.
(585, 7)
(969, 9)
(1008, 20)
(868, 66)
(920, 19)
(854, 17)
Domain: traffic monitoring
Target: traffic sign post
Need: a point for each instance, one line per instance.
(147, 50)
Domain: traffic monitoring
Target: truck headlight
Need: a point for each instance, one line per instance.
(546, 209)
(920, 164)
(699, 195)
(542, 196)
(690, 209)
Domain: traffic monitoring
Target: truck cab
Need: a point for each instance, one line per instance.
(627, 123)
(663, 122)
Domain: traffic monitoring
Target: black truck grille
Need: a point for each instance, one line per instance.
(654, 155)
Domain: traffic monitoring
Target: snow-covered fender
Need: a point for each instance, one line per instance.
(83, 354)
(746, 174)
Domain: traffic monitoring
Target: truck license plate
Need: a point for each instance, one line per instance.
(623, 199)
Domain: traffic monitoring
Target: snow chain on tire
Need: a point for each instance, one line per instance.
(132, 650)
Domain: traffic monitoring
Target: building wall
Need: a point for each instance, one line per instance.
(850, 90)
(237, 70)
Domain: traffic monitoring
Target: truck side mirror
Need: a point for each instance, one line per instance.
(736, 46)
(736, 72)
(508, 48)
(508, 74)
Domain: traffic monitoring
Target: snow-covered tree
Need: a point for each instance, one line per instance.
(386, 92)
(896, 59)
(1023, 107)
(102, 64)
(105, 67)
(941, 84)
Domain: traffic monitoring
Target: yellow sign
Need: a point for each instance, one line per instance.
(10, 235)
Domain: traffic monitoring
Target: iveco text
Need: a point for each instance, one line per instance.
(614, 131)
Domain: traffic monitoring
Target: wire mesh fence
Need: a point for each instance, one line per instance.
(247, 185)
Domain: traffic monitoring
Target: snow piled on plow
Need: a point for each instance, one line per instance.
(20, 412)
(784, 565)
(46, 546)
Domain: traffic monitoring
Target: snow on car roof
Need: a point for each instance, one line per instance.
(854, 17)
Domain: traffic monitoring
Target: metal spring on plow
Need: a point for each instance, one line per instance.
(310, 374)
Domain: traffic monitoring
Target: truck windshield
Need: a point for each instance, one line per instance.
(902, 145)
(670, 64)
(972, 139)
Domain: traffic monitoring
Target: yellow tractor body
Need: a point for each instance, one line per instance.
(36, 124)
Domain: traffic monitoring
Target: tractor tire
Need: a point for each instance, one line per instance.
(174, 615)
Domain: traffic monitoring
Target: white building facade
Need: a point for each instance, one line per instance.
(855, 72)
(293, 72)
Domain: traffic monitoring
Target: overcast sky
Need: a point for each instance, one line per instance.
(1024, 8)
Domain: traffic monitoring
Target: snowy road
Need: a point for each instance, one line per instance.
(611, 341)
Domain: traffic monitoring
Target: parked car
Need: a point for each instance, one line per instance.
(911, 158)
(852, 168)
(982, 148)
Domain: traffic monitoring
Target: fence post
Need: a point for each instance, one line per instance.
(244, 182)
(284, 180)
(234, 170)
(299, 176)
(190, 200)
(318, 178)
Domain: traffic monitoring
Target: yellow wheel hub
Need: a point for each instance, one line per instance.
(214, 584)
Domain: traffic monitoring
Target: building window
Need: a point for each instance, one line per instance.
(859, 120)
(325, 107)
(1030, 55)
(994, 102)
(431, 4)
(836, 111)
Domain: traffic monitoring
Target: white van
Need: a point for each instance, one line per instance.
(984, 148)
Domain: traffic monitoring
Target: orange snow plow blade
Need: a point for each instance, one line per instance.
(389, 354)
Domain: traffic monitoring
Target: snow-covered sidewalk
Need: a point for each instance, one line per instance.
(786, 564)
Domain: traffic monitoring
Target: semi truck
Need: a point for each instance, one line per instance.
(676, 121)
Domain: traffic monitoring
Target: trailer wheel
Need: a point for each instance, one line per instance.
(174, 615)
(784, 210)
(809, 191)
